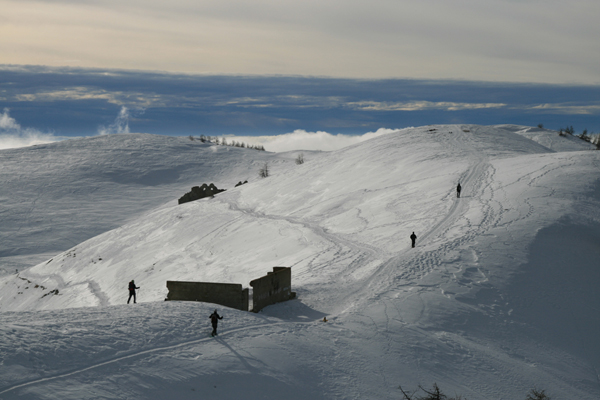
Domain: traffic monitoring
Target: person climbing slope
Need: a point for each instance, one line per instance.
(214, 319)
(458, 189)
(413, 239)
(132, 288)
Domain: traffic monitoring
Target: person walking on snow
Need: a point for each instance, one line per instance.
(214, 320)
(458, 191)
(132, 288)
(413, 238)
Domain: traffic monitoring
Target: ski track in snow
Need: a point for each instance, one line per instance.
(410, 265)
(137, 354)
(351, 254)
(407, 268)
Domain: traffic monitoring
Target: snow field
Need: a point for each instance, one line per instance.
(498, 297)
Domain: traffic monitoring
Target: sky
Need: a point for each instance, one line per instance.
(548, 41)
(264, 68)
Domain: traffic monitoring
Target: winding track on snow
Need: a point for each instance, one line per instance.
(476, 181)
(412, 264)
(408, 268)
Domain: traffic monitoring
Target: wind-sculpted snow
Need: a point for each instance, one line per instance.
(498, 296)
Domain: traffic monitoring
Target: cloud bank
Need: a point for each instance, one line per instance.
(84, 102)
(303, 140)
(12, 135)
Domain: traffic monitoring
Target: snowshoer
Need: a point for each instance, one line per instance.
(132, 288)
(413, 238)
(214, 319)
(458, 188)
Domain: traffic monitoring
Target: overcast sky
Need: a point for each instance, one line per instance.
(550, 41)
(293, 68)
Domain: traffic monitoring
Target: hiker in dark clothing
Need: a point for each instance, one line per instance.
(413, 238)
(214, 319)
(132, 288)
(458, 188)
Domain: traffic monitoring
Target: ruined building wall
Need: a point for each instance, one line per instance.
(225, 294)
(273, 288)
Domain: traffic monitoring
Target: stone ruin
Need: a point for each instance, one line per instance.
(226, 294)
(200, 192)
(272, 288)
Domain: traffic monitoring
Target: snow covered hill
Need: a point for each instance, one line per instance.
(499, 295)
(57, 195)
(550, 139)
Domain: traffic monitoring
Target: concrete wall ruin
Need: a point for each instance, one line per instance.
(226, 294)
(273, 288)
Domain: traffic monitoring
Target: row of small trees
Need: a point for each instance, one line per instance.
(225, 142)
(436, 394)
(588, 137)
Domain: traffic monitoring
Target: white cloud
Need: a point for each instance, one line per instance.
(303, 140)
(589, 109)
(121, 124)
(422, 105)
(138, 99)
(12, 135)
(7, 123)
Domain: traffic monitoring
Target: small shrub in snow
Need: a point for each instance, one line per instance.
(433, 394)
(436, 394)
(569, 129)
(584, 136)
(300, 159)
(535, 394)
(264, 171)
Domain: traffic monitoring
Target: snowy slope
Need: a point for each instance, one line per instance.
(57, 195)
(549, 138)
(499, 296)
